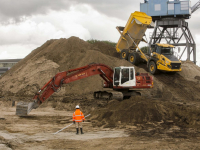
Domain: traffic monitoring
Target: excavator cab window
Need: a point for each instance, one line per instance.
(116, 76)
(125, 75)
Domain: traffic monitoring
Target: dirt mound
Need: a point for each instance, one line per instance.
(106, 49)
(190, 71)
(54, 56)
(135, 111)
(140, 110)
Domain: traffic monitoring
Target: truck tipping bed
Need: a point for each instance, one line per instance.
(134, 31)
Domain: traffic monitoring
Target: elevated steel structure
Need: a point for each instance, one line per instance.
(170, 24)
(174, 31)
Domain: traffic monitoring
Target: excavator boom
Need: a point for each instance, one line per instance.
(72, 75)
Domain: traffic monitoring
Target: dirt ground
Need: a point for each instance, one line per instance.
(36, 132)
(166, 116)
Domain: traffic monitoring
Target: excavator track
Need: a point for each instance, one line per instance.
(108, 95)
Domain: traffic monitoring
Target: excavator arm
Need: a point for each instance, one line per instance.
(72, 75)
(23, 108)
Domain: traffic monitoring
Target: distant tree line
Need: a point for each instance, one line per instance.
(92, 41)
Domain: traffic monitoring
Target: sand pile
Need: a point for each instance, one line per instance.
(54, 56)
(190, 71)
(106, 49)
(146, 111)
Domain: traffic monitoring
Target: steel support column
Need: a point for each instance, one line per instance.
(167, 28)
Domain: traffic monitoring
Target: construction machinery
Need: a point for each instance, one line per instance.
(159, 57)
(163, 58)
(123, 81)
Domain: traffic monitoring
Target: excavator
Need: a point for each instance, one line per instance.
(123, 81)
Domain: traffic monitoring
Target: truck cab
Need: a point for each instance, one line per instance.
(163, 58)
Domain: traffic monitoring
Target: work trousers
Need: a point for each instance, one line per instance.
(78, 124)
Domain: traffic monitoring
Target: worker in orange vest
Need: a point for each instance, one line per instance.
(78, 117)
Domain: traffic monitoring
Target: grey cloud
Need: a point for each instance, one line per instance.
(15, 9)
(193, 23)
(114, 8)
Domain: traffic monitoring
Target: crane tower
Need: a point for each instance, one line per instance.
(170, 23)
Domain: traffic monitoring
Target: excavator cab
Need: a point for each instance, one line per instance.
(124, 76)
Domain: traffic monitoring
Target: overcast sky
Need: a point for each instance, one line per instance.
(27, 24)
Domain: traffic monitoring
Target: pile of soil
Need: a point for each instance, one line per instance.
(54, 56)
(166, 101)
(190, 71)
(139, 110)
(106, 49)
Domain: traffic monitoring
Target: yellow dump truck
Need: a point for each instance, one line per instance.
(158, 58)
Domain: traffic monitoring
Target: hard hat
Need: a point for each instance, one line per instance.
(77, 107)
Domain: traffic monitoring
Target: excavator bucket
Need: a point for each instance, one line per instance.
(24, 108)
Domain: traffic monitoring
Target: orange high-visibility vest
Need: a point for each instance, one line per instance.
(78, 116)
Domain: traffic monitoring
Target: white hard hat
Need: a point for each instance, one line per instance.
(77, 106)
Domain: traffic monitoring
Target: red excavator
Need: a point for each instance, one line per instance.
(123, 82)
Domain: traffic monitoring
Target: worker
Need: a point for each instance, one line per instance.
(78, 117)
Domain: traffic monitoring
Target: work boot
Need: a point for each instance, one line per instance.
(76, 130)
(81, 131)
